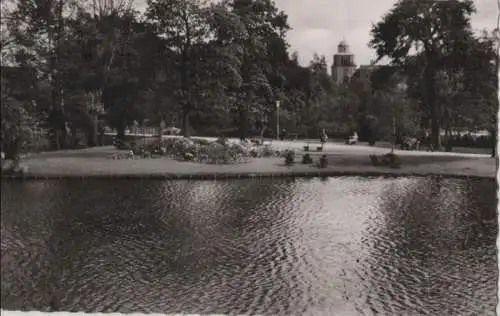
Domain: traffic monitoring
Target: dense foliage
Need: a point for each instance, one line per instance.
(219, 68)
(452, 73)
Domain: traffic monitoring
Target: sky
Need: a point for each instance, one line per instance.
(318, 25)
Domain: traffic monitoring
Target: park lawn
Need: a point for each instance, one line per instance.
(96, 162)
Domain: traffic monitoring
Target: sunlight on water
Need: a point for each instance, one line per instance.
(336, 246)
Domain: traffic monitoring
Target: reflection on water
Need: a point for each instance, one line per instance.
(340, 246)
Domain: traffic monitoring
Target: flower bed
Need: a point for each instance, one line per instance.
(203, 151)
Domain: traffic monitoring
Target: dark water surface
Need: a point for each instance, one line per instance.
(340, 246)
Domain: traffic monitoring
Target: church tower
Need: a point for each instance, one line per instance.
(343, 63)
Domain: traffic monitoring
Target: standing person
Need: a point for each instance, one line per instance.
(101, 134)
(323, 137)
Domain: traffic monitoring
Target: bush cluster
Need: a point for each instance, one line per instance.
(200, 150)
(306, 159)
(289, 157)
(469, 141)
(388, 160)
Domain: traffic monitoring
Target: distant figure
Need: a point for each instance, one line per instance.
(283, 134)
(323, 137)
(352, 140)
(100, 139)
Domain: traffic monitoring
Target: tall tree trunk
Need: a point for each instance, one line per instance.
(243, 122)
(57, 129)
(92, 140)
(185, 86)
(92, 133)
(435, 129)
(262, 131)
(494, 136)
(185, 120)
(74, 136)
(430, 81)
(120, 130)
(57, 102)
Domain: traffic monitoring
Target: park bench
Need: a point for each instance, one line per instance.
(410, 143)
(318, 148)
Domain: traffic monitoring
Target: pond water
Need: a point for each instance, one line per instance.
(335, 246)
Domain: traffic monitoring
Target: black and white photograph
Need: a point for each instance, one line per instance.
(250, 157)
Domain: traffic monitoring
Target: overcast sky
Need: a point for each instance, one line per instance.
(318, 25)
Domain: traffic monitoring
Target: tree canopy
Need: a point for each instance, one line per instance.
(433, 44)
(219, 68)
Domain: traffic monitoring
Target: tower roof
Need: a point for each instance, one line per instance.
(343, 47)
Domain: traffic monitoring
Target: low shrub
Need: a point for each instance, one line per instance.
(218, 152)
(391, 160)
(221, 140)
(306, 159)
(188, 156)
(200, 141)
(388, 160)
(121, 144)
(323, 161)
(374, 160)
(267, 151)
(260, 151)
(14, 169)
(448, 147)
(123, 155)
(289, 157)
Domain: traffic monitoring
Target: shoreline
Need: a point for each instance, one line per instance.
(236, 176)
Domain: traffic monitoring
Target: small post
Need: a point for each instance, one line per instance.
(278, 120)
(393, 134)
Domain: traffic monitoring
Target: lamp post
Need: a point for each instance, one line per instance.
(96, 108)
(400, 87)
(278, 120)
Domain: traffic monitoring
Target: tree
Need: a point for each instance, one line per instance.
(183, 24)
(37, 29)
(109, 40)
(265, 27)
(17, 124)
(435, 30)
(7, 20)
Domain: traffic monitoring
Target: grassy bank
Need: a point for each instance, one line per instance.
(95, 162)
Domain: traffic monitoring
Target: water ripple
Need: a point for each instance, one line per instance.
(348, 245)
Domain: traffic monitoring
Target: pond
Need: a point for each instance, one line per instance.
(335, 246)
